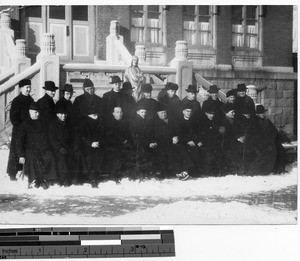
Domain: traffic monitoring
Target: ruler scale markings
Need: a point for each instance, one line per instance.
(145, 242)
(81, 242)
(100, 242)
(141, 236)
(99, 237)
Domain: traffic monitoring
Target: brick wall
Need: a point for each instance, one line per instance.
(224, 35)
(278, 95)
(277, 36)
(174, 29)
(105, 14)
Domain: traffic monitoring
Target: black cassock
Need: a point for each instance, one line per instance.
(19, 113)
(61, 138)
(33, 144)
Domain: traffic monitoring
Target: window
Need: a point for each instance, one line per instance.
(197, 25)
(245, 26)
(146, 23)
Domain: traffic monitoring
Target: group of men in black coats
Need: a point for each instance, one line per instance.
(115, 136)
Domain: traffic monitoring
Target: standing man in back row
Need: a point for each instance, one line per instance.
(46, 103)
(113, 97)
(19, 113)
(85, 101)
(191, 100)
(172, 101)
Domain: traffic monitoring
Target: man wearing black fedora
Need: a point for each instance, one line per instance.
(150, 103)
(112, 97)
(128, 104)
(46, 103)
(172, 101)
(191, 100)
(85, 101)
(18, 114)
(66, 96)
(270, 150)
(92, 138)
(163, 144)
(211, 137)
(243, 101)
(214, 99)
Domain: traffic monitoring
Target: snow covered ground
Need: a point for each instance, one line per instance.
(226, 200)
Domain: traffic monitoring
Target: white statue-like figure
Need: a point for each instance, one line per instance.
(134, 75)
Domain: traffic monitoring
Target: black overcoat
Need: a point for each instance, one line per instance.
(19, 113)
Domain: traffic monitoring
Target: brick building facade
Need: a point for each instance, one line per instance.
(227, 44)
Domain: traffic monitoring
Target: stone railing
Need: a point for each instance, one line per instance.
(116, 52)
(100, 73)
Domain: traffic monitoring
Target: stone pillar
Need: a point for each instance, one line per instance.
(48, 44)
(181, 51)
(140, 52)
(5, 20)
(49, 64)
(252, 92)
(20, 62)
(184, 72)
(114, 28)
(112, 56)
(5, 24)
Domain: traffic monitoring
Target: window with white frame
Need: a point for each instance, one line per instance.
(146, 23)
(245, 26)
(197, 24)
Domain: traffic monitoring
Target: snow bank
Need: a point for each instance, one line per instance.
(182, 212)
(222, 186)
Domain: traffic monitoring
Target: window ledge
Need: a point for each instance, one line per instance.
(246, 52)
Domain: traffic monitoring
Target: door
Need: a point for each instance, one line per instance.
(73, 27)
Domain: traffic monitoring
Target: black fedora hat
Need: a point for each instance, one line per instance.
(192, 88)
(34, 106)
(61, 107)
(260, 109)
(171, 86)
(241, 87)
(160, 107)
(50, 86)
(24, 82)
(87, 83)
(228, 107)
(213, 89)
(127, 86)
(186, 106)
(68, 88)
(115, 79)
(209, 107)
(231, 92)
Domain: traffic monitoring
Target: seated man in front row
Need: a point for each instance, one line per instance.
(34, 151)
(164, 145)
(118, 144)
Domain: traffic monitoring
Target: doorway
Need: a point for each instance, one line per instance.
(73, 27)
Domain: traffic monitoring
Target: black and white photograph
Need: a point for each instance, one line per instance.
(148, 114)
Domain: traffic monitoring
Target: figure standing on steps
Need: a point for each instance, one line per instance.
(19, 113)
(46, 103)
(134, 75)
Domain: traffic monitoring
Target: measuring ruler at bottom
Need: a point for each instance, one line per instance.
(83, 242)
